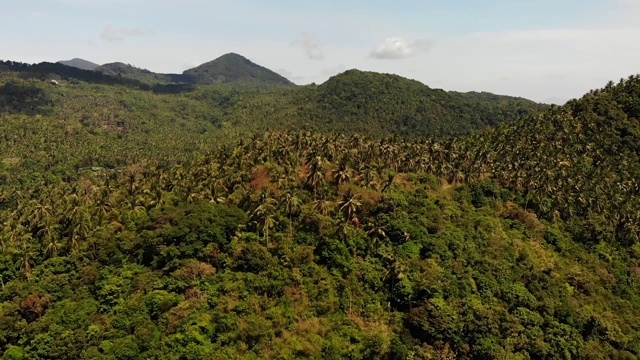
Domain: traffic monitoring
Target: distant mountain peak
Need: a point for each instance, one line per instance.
(228, 68)
(234, 67)
(121, 68)
(80, 64)
(232, 55)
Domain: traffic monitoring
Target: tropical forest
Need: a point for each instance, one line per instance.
(226, 213)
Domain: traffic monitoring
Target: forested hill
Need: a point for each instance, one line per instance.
(371, 104)
(126, 240)
(143, 75)
(578, 161)
(229, 68)
(232, 68)
(55, 71)
(360, 101)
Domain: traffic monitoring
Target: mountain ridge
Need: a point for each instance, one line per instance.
(233, 67)
(133, 72)
(228, 68)
(355, 101)
(80, 64)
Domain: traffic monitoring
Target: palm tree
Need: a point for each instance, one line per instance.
(349, 206)
(316, 176)
(342, 174)
(26, 255)
(263, 215)
(48, 234)
(395, 273)
(368, 176)
(343, 230)
(376, 233)
(292, 206)
(40, 212)
(103, 206)
(323, 206)
(268, 222)
(78, 221)
(52, 247)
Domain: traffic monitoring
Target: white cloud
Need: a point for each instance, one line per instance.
(109, 33)
(400, 48)
(311, 46)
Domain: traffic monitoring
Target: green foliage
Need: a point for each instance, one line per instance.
(14, 353)
(122, 238)
(27, 98)
(357, 101)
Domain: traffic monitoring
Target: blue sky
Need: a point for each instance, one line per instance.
(546, 50)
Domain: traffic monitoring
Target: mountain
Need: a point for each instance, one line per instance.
(80, 64)
(381, 105)
(372, 104)
(229, 68)
(234, 68)
(372, 100)
(122, 69)
(46, 71)
(130, 231)
(197, 224)
(143, 75)
(352, 102)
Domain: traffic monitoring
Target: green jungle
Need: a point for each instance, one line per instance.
(237, 216)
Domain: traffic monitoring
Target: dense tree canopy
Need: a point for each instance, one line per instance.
(142, 225)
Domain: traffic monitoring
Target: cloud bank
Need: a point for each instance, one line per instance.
(400, 48)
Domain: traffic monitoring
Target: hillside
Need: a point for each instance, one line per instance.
(229, 68)
(146, 76)
(124, 239)
(234, 68)
(121, 69)
(80, 64)
(381, 105)
(229, 111)
(364, 100)
(46, 71)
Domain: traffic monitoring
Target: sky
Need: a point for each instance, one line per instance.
(544, 50)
